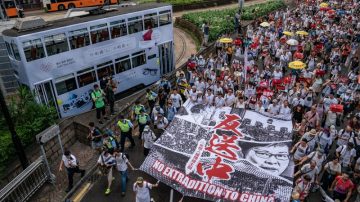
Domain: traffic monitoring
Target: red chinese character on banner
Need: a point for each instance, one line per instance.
(230, 123)
(218, 169)
(223, 145)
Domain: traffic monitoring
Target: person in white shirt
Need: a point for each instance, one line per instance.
(346, 154)
(218, 88)
(106, 162)
(148, 138)
(300, 150)
(193, 94)
(122, 163)
(219, 101)
(317, 156)
(344, 136)
(332, 169)
(142, 190)
(70, 162)
(209, 97)
(285, 109)
(176, 99)
(297, 101)
(274, 108)
(200, 85)
(277, 74)
(230, 98)
(329, 101)
(240, 103)
(309, 169)
(161, 122)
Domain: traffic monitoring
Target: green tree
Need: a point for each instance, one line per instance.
(30, 117)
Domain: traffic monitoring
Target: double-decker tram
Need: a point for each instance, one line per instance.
(62, 60)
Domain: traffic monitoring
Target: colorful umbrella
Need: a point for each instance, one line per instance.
(302, 33)
(292, 42)
(323, 5)
(226, 40)
(297, 65)
(299, 55)
(287, 33)
(265, 24)
(331, 12)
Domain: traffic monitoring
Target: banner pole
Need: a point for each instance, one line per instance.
(171, 195)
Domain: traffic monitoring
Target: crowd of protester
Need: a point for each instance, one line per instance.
(253, 73)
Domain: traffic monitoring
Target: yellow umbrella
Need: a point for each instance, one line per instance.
(226, 40)
(302, 33)
(323, 5)
(265, 24)
(287, 33)
(297, 65)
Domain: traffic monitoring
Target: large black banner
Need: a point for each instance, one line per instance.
(224, 154)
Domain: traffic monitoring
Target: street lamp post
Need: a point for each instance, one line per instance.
(15, 138)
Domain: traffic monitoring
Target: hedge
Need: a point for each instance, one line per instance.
(222, 21)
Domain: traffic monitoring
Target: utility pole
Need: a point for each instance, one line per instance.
(15, 138)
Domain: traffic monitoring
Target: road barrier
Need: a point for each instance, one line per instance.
(23, 186)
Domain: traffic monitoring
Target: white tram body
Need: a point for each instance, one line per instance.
(63, 60)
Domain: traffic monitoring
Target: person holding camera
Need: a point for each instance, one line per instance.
(72, 166)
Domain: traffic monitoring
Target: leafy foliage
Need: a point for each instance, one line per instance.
(222, 21)
(29, 117)
(173, 2)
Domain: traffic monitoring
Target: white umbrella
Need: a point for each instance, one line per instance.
(292, 42)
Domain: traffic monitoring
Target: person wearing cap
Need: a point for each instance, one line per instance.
(164, 83)
(72, 166)
(142, 190)
(98, 97)
(311, 137)
(176, 99)
(157, 110)
(148, 138)
(122, 163)
(331, 170)
(151, 98)
(161, 122)
(136, 110)
(346, 154)
(126, 128)
(143, 119)
(109, 143)
(106, 162)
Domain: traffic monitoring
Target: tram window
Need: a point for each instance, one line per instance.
(79, 38)
(9, 4)
(151, 21)
(165, 19)
(99, 33)
(65, 84)
(135, 25)
(8, 48)
(86, 78)
(15, 50)
(151, 56)
(33, 50)
(105, 69)
(56, 44)
(122, 64)
(138, 59)
(118, 28)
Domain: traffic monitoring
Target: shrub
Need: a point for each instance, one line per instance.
(222, 21)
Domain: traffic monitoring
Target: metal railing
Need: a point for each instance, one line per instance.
(23, 186)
